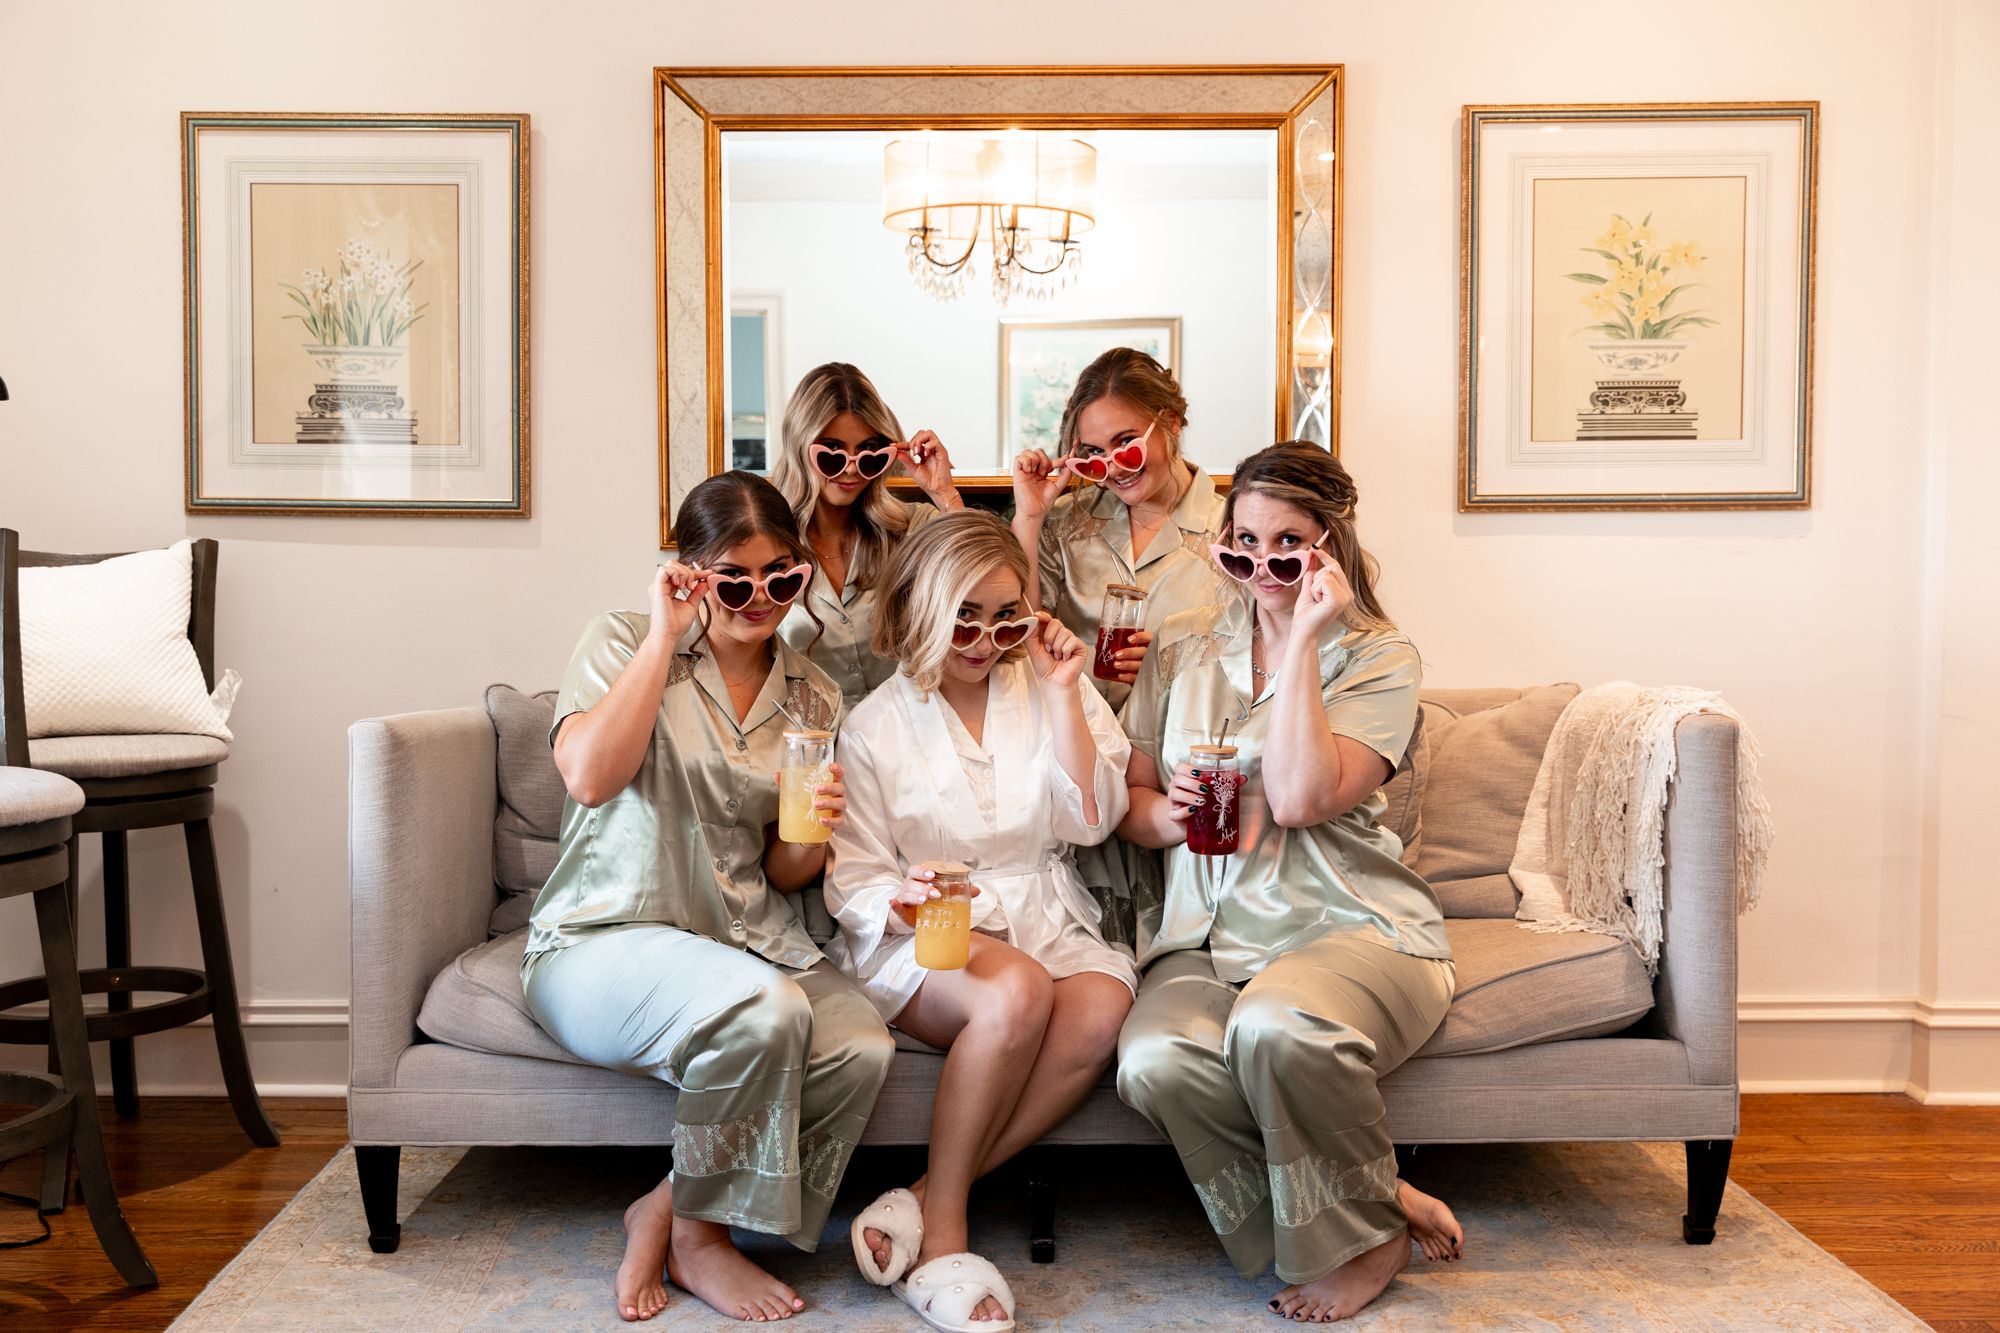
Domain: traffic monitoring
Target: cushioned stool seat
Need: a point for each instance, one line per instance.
(124, 756)
(29, 797)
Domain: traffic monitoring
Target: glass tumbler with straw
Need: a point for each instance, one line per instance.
(1214, 826)
(807, 763)
(1123, 616)
(944, 923)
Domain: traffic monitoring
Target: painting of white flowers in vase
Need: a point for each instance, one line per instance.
(354, 314)
(1638, 295)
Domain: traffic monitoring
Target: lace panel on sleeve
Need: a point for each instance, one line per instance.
(1188, 654)
(808, 705)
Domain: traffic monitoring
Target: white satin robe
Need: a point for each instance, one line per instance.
(909, 800)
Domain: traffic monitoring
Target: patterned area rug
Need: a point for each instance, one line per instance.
(1573, 1237)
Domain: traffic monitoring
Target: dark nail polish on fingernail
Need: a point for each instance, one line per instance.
(1205, 789)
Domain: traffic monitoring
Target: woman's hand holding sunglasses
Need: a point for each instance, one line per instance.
(1324, 596)
(930, 466)
(1035, 491)
(676, 590)
(1058, 655)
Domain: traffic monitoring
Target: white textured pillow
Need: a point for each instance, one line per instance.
(105, 651)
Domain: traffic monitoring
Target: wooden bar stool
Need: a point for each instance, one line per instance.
(135, 782)
(35, 812)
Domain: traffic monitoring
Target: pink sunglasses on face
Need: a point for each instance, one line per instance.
(1243, 567)
(1128, 457)
(871, 463)
(738, 590)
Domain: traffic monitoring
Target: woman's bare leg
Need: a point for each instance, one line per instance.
(991, 1015)
(1342, 1293)
(1077, 1048)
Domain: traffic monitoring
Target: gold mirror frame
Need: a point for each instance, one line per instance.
(692, 108)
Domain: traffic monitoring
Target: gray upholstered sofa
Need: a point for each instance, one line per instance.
(453, 817)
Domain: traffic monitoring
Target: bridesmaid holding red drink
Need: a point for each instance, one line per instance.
(1118, 524)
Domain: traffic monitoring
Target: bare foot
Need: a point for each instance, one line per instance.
(1342, 1293)
(704, 1260)
(1431, 1224)
(642, 1292)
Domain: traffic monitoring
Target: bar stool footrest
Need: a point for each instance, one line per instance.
(52, 1120)
(192, 999)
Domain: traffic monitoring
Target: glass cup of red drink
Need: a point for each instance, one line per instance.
(1215, 826)
(1124, 615)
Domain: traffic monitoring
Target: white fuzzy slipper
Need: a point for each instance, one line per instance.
(898, 1216)
(948, 1289)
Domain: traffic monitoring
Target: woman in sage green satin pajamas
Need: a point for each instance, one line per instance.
(667, 941)
(1282, 981)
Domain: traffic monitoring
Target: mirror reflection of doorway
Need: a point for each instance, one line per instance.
(755, 375)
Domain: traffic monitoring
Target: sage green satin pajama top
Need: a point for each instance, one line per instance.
(658, 946)
(1286, 979)
(847, 625)
(1087, 544)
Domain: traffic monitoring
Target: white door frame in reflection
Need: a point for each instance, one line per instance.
(693, 108)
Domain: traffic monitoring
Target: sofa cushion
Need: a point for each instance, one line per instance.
(528, 824)
(1482, 896)
(477, 1003)
(1520, 987)
(1482, 768)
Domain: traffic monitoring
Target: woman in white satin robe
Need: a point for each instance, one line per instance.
(989, 748)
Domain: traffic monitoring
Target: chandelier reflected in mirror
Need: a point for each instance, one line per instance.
(1024, 196)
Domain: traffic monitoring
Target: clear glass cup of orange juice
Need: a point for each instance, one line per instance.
(944, 923)
(808, 762)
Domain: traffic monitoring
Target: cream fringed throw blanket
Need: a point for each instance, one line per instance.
(1589, 854)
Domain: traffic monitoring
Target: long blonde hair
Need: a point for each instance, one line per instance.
(930, 574)
(880, 519)
(1308, 477)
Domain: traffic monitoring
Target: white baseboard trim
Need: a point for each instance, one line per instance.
(1940, 1053)
(1867, 1009)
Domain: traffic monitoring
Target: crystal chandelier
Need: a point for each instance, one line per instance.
(1024, 196)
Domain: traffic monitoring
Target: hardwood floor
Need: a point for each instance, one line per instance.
(1907, 1195)
(195, 1190)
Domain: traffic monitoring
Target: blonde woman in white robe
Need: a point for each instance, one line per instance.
(988, 748)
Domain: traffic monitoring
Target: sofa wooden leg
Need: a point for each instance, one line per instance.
(377, 1168)
(1041, 1219)
(1708, 1173)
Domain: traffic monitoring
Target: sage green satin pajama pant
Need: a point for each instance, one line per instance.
(777, 1067)
(1267, 1089)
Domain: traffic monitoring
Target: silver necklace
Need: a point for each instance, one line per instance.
(1256, 629)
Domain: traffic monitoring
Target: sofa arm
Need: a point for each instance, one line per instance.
(421, 796)
(1695, 993)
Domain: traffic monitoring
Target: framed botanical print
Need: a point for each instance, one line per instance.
(1040, 360)
(356, 314)
(1637, 289)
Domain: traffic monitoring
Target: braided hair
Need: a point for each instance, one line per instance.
(1307, 477)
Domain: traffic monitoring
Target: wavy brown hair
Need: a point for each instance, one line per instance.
(1309, 478)
(930, 574)
(1131, 376)
(880, 519)
(729, 509)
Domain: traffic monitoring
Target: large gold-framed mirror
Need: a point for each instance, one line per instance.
(970, 236)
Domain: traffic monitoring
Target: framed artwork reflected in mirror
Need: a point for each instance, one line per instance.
(906, 219)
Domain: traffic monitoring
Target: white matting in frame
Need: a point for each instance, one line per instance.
(1637, 319)
(356, 314)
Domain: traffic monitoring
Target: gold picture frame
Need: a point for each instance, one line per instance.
(693, 107)
(425, 412)
(1674, 404)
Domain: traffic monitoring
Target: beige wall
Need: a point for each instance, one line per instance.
(1859, 638)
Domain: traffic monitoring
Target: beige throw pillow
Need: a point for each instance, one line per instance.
(1482, 769)
(105, 652)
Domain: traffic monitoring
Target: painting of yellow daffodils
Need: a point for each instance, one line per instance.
(1642, 283)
